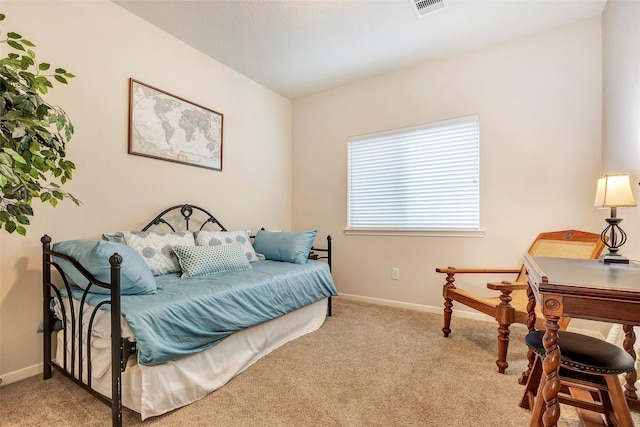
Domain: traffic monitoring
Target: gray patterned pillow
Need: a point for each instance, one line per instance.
(205, 260)
(216, 238)
(115, 237)
(156, 249)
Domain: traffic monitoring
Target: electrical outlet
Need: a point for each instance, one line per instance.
(395, 273)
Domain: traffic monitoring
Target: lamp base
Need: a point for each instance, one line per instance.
(613, 259)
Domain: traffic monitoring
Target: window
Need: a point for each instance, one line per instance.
(420, 178)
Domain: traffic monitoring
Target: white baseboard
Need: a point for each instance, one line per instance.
(21, 374)
(418, 307)
(456, 313)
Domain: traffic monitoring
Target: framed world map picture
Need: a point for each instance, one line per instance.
(166, 127)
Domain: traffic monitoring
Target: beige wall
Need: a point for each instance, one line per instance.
(104, 45)
(539, 101)
(621, 106)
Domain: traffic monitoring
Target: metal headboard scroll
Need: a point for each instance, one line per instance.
(186, 211)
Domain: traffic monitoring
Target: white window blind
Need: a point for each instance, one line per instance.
(424, 178)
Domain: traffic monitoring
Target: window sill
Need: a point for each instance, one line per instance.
(413, 232)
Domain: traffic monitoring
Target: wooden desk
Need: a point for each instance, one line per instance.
(586, 289)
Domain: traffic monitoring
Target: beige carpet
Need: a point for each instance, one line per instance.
(368, 365)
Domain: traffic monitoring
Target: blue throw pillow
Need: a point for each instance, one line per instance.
(285, 245)
(135, 275)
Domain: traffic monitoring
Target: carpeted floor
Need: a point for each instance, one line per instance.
(368, 365)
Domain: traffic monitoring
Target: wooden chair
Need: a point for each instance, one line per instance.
(513, 306)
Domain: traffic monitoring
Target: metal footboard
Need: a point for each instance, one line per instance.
(74, 369)
(327, 251)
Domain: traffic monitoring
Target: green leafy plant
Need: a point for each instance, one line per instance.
(33, 135)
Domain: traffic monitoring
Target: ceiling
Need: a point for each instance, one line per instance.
(300, 47)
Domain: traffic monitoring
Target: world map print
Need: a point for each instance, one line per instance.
(169, 128)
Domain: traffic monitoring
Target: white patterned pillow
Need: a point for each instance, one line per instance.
(156, 249)
(204, 260)
(216, 238)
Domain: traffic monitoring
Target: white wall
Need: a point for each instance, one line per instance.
(539, 101)
(104, 45)
(621, 106)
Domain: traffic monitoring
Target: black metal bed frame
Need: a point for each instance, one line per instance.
(121, 349)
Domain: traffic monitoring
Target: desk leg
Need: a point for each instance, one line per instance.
(550, 366)
(630, 377)
(531, 325)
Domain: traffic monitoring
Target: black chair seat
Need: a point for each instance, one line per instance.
(585, 353)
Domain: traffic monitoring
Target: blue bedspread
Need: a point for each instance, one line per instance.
(187, 316)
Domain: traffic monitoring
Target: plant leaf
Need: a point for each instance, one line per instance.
(18, 132)
(22, 219)
(15, 156)
(26, 209)
(7, 172)
(5, 159)
(26, 62)
(10, 226)
(15, 45)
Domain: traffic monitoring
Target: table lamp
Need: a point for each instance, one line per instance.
(614, 191)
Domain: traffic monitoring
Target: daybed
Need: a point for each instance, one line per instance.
(194, 308)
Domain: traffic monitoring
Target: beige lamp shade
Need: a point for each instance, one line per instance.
(614, 191)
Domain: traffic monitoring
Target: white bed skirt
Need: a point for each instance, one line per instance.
(155, 390)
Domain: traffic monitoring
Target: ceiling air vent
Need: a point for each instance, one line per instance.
(424, 7)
